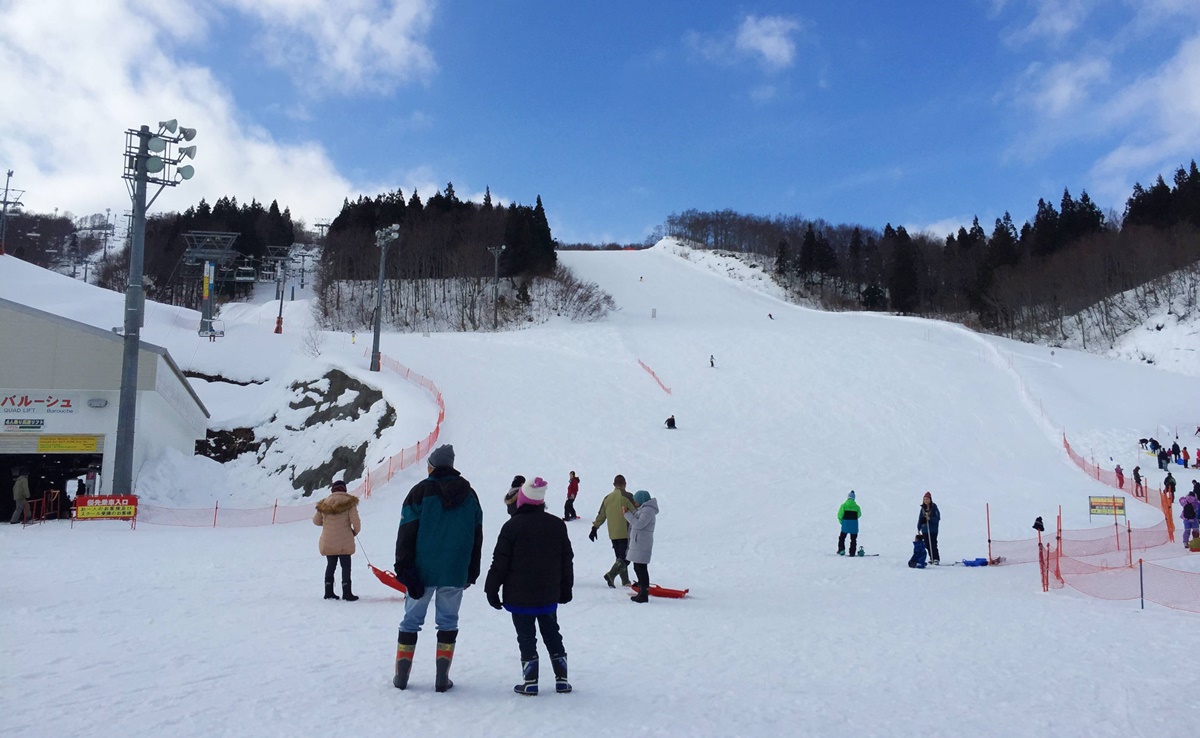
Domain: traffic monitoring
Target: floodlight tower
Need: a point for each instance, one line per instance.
(150, 158)
(383, 238)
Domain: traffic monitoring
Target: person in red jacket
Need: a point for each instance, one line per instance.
(572, 493)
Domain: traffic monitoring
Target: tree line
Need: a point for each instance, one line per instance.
(1023, 282)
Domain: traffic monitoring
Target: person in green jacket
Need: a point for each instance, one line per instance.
(612, 509)
(20, 496)
(848, 515)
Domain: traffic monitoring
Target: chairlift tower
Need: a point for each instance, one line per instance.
(14, 202)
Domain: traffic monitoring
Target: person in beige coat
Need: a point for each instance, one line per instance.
(20, 496)
(337, 515)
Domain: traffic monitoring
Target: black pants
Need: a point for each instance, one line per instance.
(931, 545)
(527, 627)
(331, 563)
(853, 542)
(569, 510)
(621, 548)
(642, 571)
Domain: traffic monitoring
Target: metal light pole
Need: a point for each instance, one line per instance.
(383, 237)
(496, 250)
(148, 159)
(107, 227)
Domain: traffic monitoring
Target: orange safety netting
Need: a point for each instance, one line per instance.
(278, 514)
(1141, 492)
(650, 371)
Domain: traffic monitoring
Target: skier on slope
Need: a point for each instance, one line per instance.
(848, 515)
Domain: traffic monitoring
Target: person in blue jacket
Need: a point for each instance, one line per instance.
(918, 558)
(927, 525)
(848, 515)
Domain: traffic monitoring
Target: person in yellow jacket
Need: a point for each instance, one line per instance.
(612, 509)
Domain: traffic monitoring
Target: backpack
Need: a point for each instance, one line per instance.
(1189, 511)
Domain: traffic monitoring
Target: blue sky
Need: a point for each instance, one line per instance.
(617, 114)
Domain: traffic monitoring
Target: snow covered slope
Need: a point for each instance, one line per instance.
(224, 632)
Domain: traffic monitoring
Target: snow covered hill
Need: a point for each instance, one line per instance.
(223, 632)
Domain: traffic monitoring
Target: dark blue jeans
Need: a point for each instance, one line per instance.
(527, 626)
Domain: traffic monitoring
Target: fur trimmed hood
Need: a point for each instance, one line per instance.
(336, 503)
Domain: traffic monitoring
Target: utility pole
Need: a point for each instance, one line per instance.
(496, 251)
(15, 202)
(107, 228)
(383, 238)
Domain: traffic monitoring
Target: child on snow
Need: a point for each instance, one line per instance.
(337, 515)
(917, 561)
(532, 564)
(572, 493)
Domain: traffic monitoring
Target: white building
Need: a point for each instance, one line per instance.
(60, 385)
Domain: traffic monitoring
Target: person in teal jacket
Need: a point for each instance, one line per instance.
(438, 548)
(848, 515)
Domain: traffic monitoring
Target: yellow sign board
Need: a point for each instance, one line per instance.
(1114, 505)
(68, 444)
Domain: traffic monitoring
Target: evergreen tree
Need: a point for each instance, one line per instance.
(904, 287)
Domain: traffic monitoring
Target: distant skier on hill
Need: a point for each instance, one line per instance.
(1120, 476)
(711, 361)
(848, 515)
(670, 423)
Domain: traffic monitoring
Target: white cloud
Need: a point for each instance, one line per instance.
(1159, 116)
(769, 39)
(1061, 89)
(1054, 21)
(347, 45)
(77, 81)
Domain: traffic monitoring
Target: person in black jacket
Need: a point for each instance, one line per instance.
(532, 563)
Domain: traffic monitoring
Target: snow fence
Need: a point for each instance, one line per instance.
(235, 517)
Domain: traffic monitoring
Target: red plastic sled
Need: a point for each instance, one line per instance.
(388, 578)
(659, 591)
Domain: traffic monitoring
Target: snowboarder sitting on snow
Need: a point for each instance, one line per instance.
(917, 561)
(848, 515)
(671, 422)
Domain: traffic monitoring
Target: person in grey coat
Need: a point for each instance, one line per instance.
(641, 541)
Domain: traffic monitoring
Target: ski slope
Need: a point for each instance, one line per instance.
(167, 631)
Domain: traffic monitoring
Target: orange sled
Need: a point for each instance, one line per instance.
(658, 591)
(388, 578)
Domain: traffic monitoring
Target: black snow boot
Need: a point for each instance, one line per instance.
(529, 672)
(347, 595)
(643, 594)
(329, 595)
(405, 646)
(445, 654)
(561, 685)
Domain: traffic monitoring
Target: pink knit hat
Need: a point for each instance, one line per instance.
(532, 493)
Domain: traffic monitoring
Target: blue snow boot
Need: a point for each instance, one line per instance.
(559, 663)
(529, 672)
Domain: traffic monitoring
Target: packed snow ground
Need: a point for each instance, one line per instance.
(167, 631)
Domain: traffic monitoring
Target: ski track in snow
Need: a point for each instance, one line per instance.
(205, 632)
